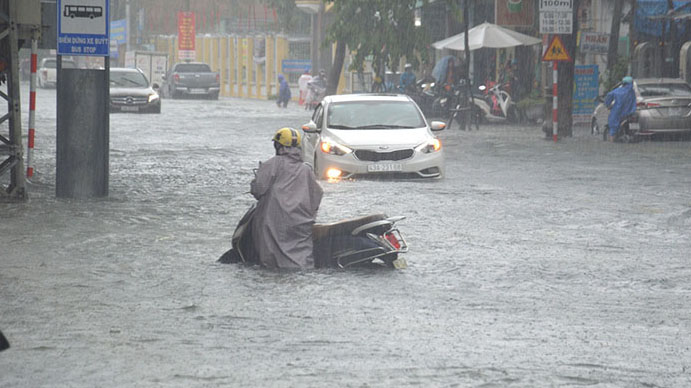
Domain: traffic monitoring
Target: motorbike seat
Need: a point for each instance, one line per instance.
(345, 227)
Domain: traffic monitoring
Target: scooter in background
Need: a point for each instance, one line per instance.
(495, 104)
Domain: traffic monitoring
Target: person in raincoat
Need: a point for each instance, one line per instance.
(407, 81)
(304, 79)
(622, 102)
(288, 197)
(283, 92)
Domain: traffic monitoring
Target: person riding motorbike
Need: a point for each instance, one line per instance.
(407, 80)
(316, 88)
(288, 197)
(622, 103)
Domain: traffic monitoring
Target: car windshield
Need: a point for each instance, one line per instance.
(192, 68)
(374, 115)
(128, 79)
(665, 90)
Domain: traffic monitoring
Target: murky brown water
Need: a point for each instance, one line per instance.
(531, 264)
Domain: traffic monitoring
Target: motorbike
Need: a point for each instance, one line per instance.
(627, 132)
(423, 94)
(363, 241)
(495, 104)
(315, 93)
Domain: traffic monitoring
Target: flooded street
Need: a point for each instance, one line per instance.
(530, 264)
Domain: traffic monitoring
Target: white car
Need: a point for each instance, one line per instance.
(47, 71)
(372, 134)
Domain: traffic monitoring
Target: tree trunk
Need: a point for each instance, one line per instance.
(614, 36)
(335, 73)
(565, 81)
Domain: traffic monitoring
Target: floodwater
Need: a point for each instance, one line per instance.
(531, 264)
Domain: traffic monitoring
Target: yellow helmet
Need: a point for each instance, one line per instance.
(287, 137)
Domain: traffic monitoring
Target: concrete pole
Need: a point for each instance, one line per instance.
(128, 30)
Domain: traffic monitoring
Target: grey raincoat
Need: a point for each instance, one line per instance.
(288, 198)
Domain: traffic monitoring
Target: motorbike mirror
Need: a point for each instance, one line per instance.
(310, 127)
(437, 125)
(482, 88)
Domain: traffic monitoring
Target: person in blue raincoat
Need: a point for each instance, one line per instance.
(283, 92)
(622, 102)
(407, 81)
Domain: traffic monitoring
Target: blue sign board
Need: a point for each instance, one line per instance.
(295, 65)
(118, 31)
(118, 36)
(585, 91)
(83, 27)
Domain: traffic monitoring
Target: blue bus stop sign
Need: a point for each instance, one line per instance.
(83, 27)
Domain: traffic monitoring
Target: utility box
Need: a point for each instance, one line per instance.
(28, 12)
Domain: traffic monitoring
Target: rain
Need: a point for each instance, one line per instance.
(531, 262)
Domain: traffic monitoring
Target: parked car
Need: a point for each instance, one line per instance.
(663, 106)
(47, 71)
(372, 134)
(130, 91)
(189, 79)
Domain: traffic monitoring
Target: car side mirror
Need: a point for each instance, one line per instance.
(163, 77)
(437, 125)
(155, 86)
(310, 127)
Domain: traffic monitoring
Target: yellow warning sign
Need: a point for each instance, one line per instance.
(556, 51)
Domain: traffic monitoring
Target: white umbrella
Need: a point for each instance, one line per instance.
(486, 35)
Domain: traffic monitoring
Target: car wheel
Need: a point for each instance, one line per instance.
(594, 128)
(213, 96)
(156, 109)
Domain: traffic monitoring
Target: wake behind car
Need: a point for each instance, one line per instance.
(663, 106)
(373, 135)
(191, 79)
(130, 91)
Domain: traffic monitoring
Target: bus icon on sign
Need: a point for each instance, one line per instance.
(82, 11)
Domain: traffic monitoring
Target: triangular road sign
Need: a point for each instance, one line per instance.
(556, 51)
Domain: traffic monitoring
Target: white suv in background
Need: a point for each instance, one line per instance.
(47, 71)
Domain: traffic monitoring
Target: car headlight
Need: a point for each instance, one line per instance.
(153, 97)
(429, 146)
(333, 148)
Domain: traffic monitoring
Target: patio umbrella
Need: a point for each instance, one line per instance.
(486, 35)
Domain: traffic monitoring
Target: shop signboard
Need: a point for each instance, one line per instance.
(585, 91)
(593, 42)
(514, 13)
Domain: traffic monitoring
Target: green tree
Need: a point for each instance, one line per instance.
(381, 30)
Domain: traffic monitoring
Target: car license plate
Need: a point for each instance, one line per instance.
(634, 126)
(197, 91)
(385, 167)
(400, 263)
(130, 109)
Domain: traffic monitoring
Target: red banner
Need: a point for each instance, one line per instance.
(186, 31)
